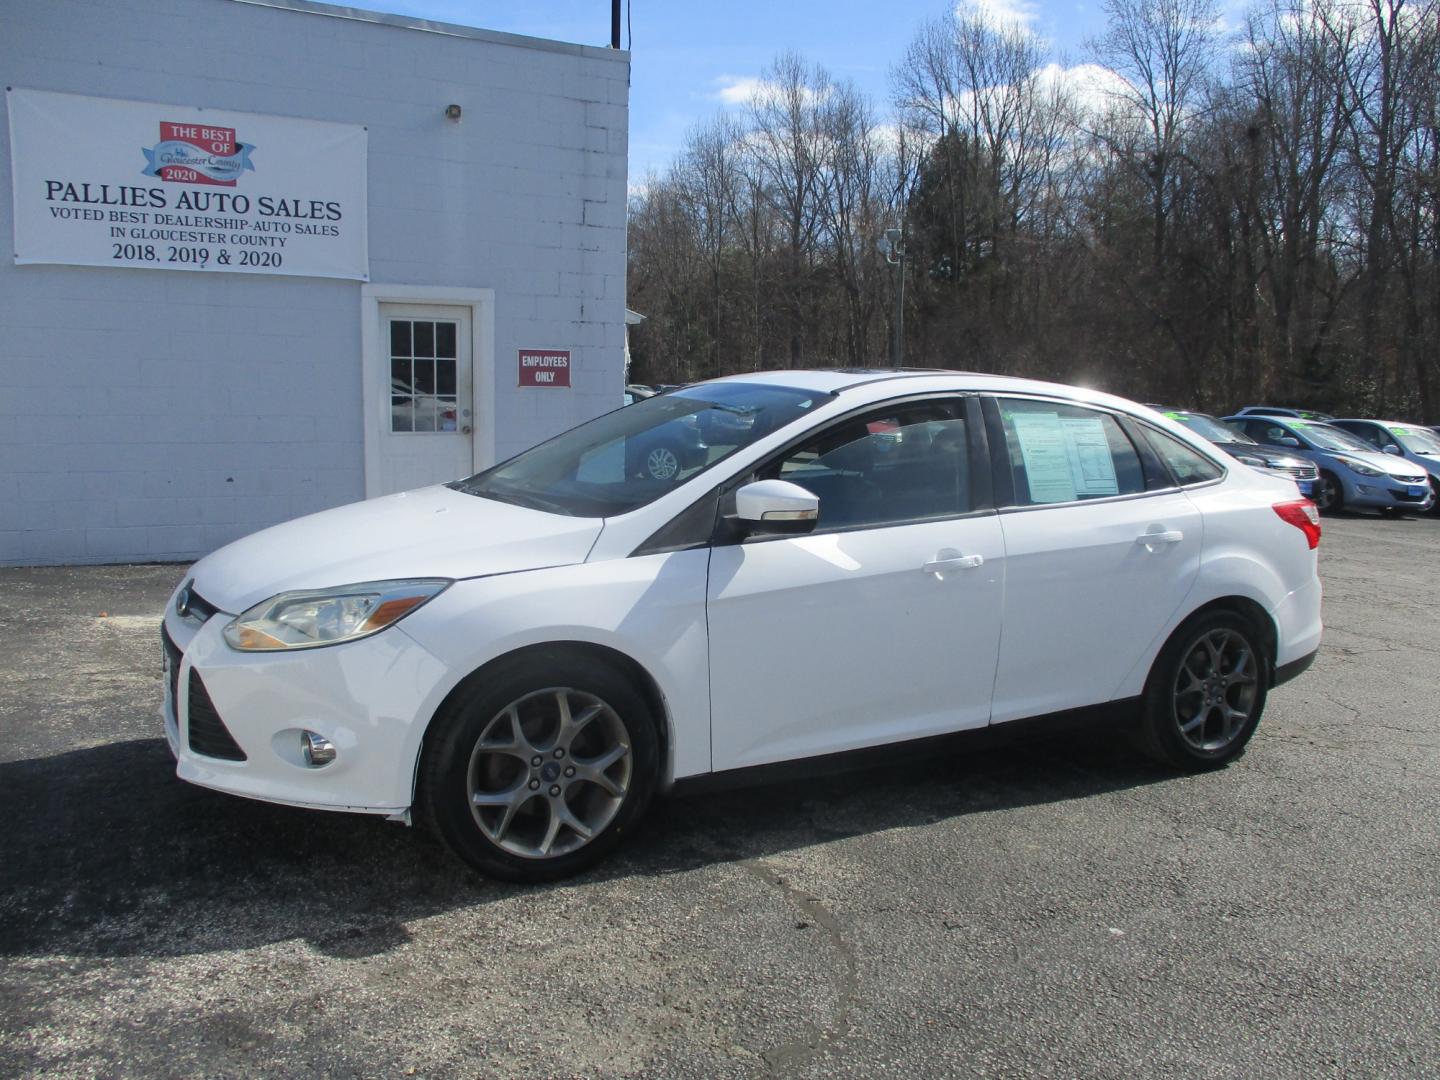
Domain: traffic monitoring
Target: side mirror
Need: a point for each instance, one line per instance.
(1391, 448)
(1286, 440)
(778, 507)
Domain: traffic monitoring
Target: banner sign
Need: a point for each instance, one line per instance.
(101, 182)
(544, 367)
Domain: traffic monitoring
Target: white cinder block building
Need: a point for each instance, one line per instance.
(270, 256)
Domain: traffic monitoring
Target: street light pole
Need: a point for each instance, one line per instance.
(893, 245)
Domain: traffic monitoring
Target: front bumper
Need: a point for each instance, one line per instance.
(367, 697)
(1385, 493)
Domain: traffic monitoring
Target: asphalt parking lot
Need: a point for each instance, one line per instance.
(1047, 905)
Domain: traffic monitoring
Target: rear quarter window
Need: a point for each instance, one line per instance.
(1188, 466)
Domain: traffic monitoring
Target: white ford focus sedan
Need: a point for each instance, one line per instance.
(525, 657)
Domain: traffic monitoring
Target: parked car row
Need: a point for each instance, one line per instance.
(1353, 472)
(1383, 465)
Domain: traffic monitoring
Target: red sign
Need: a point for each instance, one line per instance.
(544, 367)
(198, 154)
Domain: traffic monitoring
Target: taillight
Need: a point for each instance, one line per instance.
(1302, 514)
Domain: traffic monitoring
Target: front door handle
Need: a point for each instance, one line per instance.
(1160, 536)
(950, 559)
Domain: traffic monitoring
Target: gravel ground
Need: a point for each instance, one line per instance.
(1038, 906)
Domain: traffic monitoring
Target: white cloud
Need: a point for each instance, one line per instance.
(1092, 86)
(1006, 13)
(737, 89)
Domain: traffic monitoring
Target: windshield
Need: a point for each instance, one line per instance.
(1332, 438)
(1417, 440)
(622, 460)
(1209, 427)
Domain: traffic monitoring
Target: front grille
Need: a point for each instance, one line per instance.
(1299, 472)
(200, 608)
(208, 734)
(1407, 479)
(189, 604)
(172, 662)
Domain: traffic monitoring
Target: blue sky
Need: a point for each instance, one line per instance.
(686, 53)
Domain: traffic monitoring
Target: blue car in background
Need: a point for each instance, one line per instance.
(1412, 442)
(1352, 473)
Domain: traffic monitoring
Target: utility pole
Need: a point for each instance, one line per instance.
(893, 245)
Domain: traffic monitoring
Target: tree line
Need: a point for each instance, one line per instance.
(1196, 215)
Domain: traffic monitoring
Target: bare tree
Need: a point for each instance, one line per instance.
(1164, 50)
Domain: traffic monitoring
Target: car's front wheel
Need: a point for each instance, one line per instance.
(1205, 692)
(1329, 493)
(539, 769)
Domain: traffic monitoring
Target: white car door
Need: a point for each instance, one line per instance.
(881, 625)
(1097, 567)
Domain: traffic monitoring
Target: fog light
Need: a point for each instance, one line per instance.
(317, 750)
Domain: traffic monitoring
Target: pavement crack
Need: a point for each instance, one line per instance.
(787, 1056)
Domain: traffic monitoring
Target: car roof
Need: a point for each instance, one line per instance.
(919, 380)
(1372, 420)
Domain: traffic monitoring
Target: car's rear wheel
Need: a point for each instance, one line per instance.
(1205, 693)
(1329, 492)
(538, 770)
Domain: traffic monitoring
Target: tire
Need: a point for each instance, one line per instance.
(1191, 717)
(1329, 493)
(539, 769)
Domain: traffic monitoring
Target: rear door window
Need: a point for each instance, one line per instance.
(1061, 453)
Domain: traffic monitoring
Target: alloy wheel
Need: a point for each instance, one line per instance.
(549, 772)
(1215, 690)
(662, 463)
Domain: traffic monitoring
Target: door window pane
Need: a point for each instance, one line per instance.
(424, 339)
(445, 339)
(1066, 453)
(400, 338)
(905, 464)
(445, 376)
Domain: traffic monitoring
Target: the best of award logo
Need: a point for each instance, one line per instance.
(198, 154)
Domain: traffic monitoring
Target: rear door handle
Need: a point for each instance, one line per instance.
(952, 560)
(1160, 536)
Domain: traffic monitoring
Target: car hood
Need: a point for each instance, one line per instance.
(430, 532)
(1255, 450)
(1389, 464)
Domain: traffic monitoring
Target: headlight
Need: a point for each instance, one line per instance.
(305, 619)
(1358, 466)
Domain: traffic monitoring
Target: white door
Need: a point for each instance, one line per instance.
(427, 424)
(883, 624)
(1094, 566)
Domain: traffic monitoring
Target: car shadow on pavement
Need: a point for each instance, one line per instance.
(105, 853)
